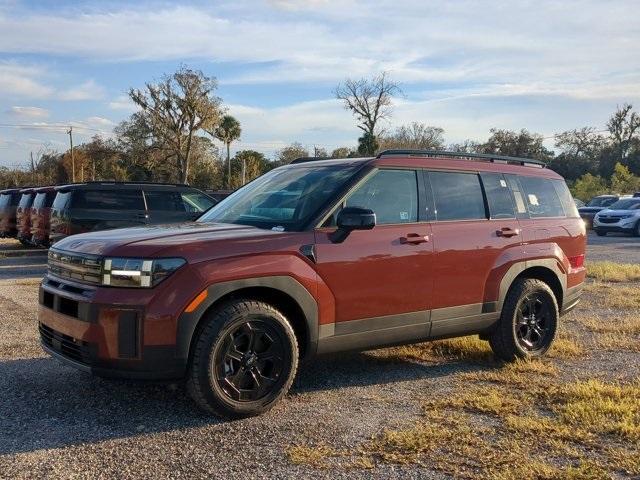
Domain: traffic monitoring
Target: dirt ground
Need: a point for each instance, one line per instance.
(438, 410)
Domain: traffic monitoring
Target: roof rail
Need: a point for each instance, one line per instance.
(487, 157)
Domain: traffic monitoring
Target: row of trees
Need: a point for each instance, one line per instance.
(172, 138)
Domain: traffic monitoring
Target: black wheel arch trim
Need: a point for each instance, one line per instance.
(188, 322)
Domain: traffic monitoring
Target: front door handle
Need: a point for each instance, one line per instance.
(508, 232)
(414, 239)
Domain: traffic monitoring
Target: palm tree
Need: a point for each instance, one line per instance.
(228, 131)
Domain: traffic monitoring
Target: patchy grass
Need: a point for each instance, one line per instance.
(516, 373)
(28, 281)
(566, 346)
(613, 272)
(463, 348)
(613, 332)
(309, 455)
(613, 296)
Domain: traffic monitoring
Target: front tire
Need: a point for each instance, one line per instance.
(245, 359)
(600, 233)
(528, 323)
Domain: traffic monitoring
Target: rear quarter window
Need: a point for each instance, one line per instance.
(541, 197)
(569, 206)
(195, 202)
(164, 201)
(124, 199)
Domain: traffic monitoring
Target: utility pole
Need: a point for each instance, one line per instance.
(33, 170)
(73, 161)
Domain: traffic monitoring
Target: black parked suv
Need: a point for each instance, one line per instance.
(93, 206)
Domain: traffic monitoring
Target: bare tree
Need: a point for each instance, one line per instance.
(623, 126)
(369, 100)
(415, 135)
(176, 108)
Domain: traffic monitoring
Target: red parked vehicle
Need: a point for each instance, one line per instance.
(23, 215)
(8, 204)
(318, 257)
(41, 215)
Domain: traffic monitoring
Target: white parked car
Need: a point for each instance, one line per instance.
(622, 216)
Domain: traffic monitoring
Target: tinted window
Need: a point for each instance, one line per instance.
(498, 195)
(25, 200)
(40, 200)
(195, 202)
(458, 196)
(125, 199)
(5, 201)
(164, 201)
(541, 197)
(601, 201)
(391, 194)
(569, 205)
(62, 200)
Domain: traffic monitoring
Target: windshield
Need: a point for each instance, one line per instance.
(626, 204)
(282, 199)
(601, 201)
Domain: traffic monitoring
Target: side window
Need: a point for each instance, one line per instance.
(541, 197)
(125, 199)
(569, 205)
(391, 194)
(458, 196)
(159, 201)
(498, 195)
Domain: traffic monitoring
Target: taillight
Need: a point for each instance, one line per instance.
(577, 261)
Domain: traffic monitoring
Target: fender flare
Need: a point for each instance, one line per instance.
(519, 267)
(188, 322)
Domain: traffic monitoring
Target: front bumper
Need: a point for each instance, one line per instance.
(113, 332)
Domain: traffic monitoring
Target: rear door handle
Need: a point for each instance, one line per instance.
(508, 232)
(414, 239)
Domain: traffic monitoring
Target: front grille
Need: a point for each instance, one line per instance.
(608, 219)
(76, 350)
(79, 267)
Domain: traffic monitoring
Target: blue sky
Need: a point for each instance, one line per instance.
(463, 65)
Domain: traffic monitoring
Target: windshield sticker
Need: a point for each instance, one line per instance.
(278, 228)
(404, 215)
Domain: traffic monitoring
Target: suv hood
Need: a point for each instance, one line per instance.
(158, 240)
(617, 213)
(590, 209)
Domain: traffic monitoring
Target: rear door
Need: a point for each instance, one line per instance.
(475, 229)
(103, 209)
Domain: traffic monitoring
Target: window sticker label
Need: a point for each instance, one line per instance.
(503, 183)
(533, 199)
(404, 215)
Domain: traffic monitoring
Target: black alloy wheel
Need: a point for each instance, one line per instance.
(249, 361)
(532, 322)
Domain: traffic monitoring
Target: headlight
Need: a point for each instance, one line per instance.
(138, 272)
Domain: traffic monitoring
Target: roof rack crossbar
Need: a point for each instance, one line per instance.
(463, 155)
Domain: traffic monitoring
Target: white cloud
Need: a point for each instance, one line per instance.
(100, 122)
(124, 103)
(22, 80)
(28, 112)
(88, 90)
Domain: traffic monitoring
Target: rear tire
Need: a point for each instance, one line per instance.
(244, 361)
(528, 323)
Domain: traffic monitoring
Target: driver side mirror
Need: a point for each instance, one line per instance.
(352, 218)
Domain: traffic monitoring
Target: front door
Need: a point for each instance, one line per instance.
(381, 279)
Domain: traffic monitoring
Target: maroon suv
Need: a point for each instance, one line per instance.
(318, 257)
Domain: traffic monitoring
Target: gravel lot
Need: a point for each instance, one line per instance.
(58, 422)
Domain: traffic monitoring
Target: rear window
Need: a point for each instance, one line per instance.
(498, 195)
(124, 199)
(61, 200)
(458, 196)
(43, 199)
(5, 200)
(25, 200)
(166, 201)
(541, 197)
